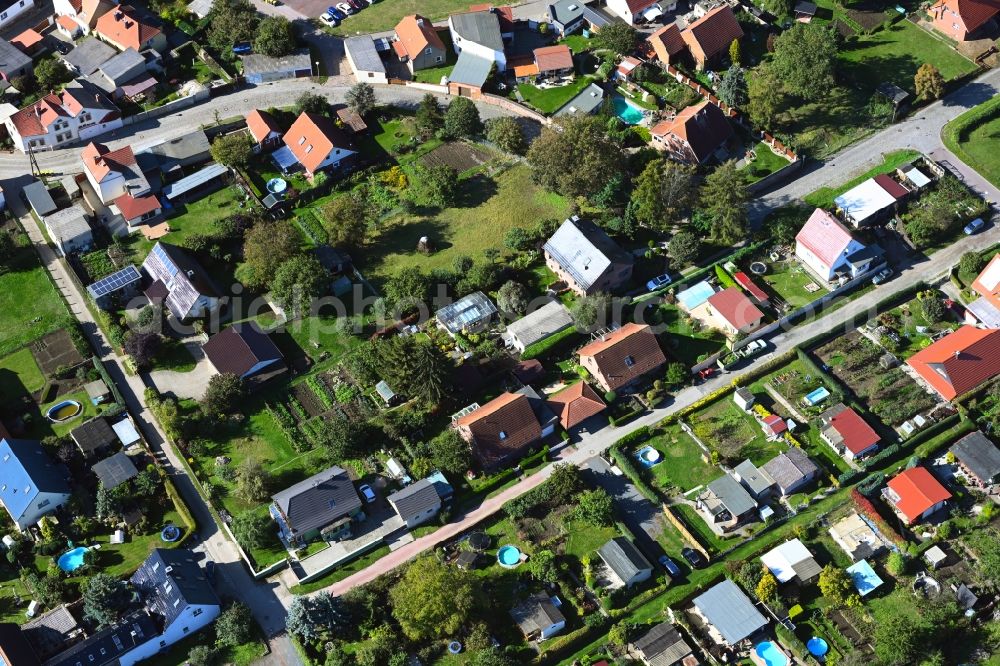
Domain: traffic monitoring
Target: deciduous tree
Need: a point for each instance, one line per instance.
(617, 37)
(224, 393)
(51, 74)
(764, 96)
(767, 587)
(251, 482)
(309, 102)
(233, 150)
(805, 58)
(407, 287)
(591, 312)
(544, 566)
(143, 348)
(432, 600)
(507, 134)
(663, 191)
(513, 298)
(252, 529)
(439, 185)
(596, 507)
(346, 221)
(361, 98)
(835, 584)
(230, 22)
(266, 246)
(461, 120)
(234, 626)
(297, 282)
(275, 37)
(583, 142)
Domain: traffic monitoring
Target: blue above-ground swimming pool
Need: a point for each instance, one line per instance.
(648, 456)
(509, 556)
(64, 411)
(626, 111)
(817, 646)
(771, 654)
(71, 560)
(817, 396)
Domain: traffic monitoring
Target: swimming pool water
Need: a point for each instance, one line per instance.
(817, 646)
(72, 560)
(509, 556)
(771, 654)
(629, 114)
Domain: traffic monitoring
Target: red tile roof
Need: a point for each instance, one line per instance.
(747, 283)
(667, 40)
(312, 137)
(260, 124)
(638, 6)
(733, 306)
(959, 362)
(415, 33)
(34, 120)
(775, 424)
(132, 208)
(26, 40)
(628, 64)
(124, 27)
(625, 354)
(974, 13)
(100, 160)
(502, 427)
(67, 23)
(918, 491)
(824, 236)
(858, 436)
(713, 33)
(703, 127)
(576, 404)
(987, 283)
(894, 189)
(550, 58)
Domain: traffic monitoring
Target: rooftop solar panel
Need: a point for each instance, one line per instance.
(114, 282)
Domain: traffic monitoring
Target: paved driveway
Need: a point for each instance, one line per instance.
(643, 517)
(185, 384)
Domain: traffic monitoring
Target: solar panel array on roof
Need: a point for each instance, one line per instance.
(118, 280)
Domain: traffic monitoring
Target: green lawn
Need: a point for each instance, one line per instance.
(174, 356)
(29, 303)
(789, 279)
(824, 196)
(386, 14)
(973, 135)
(765, 162)
(491, 207)
(583, 538)
(240, 655)
(685, 340)
(683, 466)
(736, 435)
(22, 364)
(577, 43)
(434, 74)
(89, 411)
(550, 100)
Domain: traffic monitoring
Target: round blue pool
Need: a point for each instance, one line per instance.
(509, 556)
(64, 411)
(771, 654)
(170, 533)
(817, 646)
(71, 560)
(629, 114)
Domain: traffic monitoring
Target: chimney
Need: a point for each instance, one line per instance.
(958, 354)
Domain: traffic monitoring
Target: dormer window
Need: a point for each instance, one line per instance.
(629, 361)
(309, 149)
(503, 435)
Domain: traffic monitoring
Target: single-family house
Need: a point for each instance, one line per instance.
(364, 59)
(119, 182)
(661, 645)
(856, 537)
(52, 632)
(915, 494)
(478, 33)
(88, 56)
(317, 143)
(870, 200)
(725, 503)
(695, 135)
(124, 28)
(114, 470)
(576, 404)
(538, 618)
(80, 112)
(623, 562)
(31, 485)
(985, 310)
(548, 63)
(259, 68)
(501, 431)
(95, 438)
(13, 62)
(791, 471)
(69, 229)
(322, 506)
(964, 20)
(264, 129)
(634, 11)
(620, 359)
(469, 314)
(960, 361)
(756, 482)
(709, 37)
(667, 44)
(11, 9)
(180, 282)
(242, 350)
(732, 312)
(828, 249)
(566, 16)
(416, 503)
(978, 457)
(791, 560)
(133, 637)
(586, 103)
(847, 433)
(76, 17)
(728, 613)
(583, 256)
(538, 325)
(418, 43)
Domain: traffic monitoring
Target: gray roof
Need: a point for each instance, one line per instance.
(93, 435)
(662, 645)
(197, 179)
(12, 58)
(985, 312)
(106, 646)
(481, 27)
(471, 309)
(89, 55)
(257, 63)
(184, 278)
(584, 251)
(729, 610)
(979, 455)
(120, 68)
(415, 498)
(115, 470)
(39, 198)
(566, 11)
(190, 147)
(170, 580)
(622, 557)
(471, 69)
(319, 500)
(542, 323)
(735, 498)
(536, 613)
(50, 632)
(790, 467)
(363, 54)
(596, 18)
(68, 223)
(752, 478)
(588, 101)
(546, 417)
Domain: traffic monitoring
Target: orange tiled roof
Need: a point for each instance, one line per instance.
(35, 119)
(416, 33)
(501, 427)
(555, 57)
(260, 124)
(987, 283)
(312, 137)
(123, 27)
(668, 39)
(703, 127)
(135, 207)
(26, 39)
(918, 491)
(960, 361)
(625, 354)
(714, 32)
(576, 404)
(67, 22)
(973, 13)
(733, 306)
(100, 160)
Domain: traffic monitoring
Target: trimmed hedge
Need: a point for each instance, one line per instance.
(550, 344)
(625, 464)
(958, 130)
(185, 513)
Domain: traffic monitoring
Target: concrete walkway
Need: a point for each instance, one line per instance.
(191, 384)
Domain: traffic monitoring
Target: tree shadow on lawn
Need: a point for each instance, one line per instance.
(969, 95)
(476, 191)
(402, 237)
(871, 70)
(20, 407)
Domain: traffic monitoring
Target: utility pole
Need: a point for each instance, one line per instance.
(35, 171)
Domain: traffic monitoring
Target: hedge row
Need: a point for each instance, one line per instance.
(550, 344)
(182, 508)
(628, 468)
(702, 273)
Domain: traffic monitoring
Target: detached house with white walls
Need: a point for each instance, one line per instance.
(478, 34)
(119, 182)
(315, 143)
(11, 9)
(640, 11)
(124, 28)
(81, 111)
(829, 250)
(31, 484)
(78, 17)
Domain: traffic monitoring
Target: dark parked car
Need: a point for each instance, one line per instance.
(694, 558)
(670, 566)
(242, 48)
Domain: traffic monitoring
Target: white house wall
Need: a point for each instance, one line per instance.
(174, 633)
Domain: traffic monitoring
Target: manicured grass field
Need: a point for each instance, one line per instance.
(683, 465)
(577, 43)
(584, 538)
(29, 376)
(490, 208)
(973, 138)
(550, 100)
(765, 163)
(788, 279)
(434, 74)
(30, 306)
(386, 14)
(682, 341)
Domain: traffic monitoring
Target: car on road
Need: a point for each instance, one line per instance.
(346, 8)
(658, 281)
(974, 227)
(367, 491)
(882, 276)
(670, 566)
(329, 20)
(694, 558)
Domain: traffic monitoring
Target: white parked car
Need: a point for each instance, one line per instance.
(346, 8)
(329, 20)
